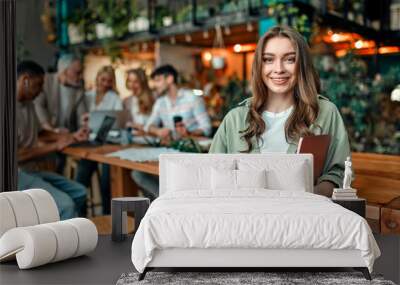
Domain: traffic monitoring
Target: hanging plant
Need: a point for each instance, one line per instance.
(287, 14)
(114, 14)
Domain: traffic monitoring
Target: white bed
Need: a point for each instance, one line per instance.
(232, 226)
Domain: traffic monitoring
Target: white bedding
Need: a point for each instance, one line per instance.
(252, 218)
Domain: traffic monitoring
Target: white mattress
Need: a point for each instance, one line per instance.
(252, 219)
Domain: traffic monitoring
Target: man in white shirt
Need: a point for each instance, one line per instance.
(176, 102)
(176, 113)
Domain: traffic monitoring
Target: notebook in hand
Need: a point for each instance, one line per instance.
(318, 146)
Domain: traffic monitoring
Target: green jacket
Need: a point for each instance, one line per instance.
(228, 139)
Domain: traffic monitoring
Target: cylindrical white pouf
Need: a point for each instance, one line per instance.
(34, 246)
(45, 205)
(7, 218)
(87, 234)
(67, 239)
(23, 207)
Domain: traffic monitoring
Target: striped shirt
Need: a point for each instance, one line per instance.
(187, 105)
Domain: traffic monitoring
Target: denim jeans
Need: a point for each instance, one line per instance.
(84, 176)
(70, 196)
(148, 183)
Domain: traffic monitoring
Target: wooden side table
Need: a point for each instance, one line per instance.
(356, 205)
(119, 208)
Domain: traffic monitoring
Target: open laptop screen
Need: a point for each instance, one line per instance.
(104, 129)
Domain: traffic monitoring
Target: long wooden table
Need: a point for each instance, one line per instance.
(121, 182)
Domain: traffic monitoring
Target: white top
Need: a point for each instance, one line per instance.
(111, 101)
(273, 139)
(132, 104)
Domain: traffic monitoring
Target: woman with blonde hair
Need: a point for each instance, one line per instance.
(105, 95)
(104, 98)
(141, 101)
(285, 106)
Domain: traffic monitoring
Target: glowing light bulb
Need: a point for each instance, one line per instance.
(207, 56)
(335, 37)
(359, 44)
(237, 48)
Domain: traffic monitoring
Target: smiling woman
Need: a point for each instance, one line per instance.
(285, 106)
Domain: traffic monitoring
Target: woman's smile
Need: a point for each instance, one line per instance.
(280, 80)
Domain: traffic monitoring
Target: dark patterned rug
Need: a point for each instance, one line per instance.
(231, 278)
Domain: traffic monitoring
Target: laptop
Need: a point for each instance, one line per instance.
(101, 136)
(121, 118)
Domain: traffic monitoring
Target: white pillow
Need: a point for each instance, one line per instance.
(251, 178)
(226, 179)
(281, 174)
(295, 180)
(223, 179)
(188, 175)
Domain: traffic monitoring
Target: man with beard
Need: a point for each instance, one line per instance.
(177, 113)
(62, 103)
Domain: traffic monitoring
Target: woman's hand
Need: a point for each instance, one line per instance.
(81, 135)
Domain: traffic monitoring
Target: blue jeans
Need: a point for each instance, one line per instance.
(84, 176)
(70, 196)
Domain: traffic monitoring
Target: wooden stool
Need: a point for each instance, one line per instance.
(120, 207)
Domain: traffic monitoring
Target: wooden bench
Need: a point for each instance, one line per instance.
(377, 179)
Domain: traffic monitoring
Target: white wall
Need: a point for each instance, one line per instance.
(181, 57)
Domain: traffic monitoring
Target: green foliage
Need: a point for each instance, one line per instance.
(364, 102)
(232, 94)
(287, 14)
(186, 145)
(115, 14)
(184, 14)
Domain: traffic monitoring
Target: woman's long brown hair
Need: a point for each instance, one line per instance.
(305, 91)
(145, 98)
